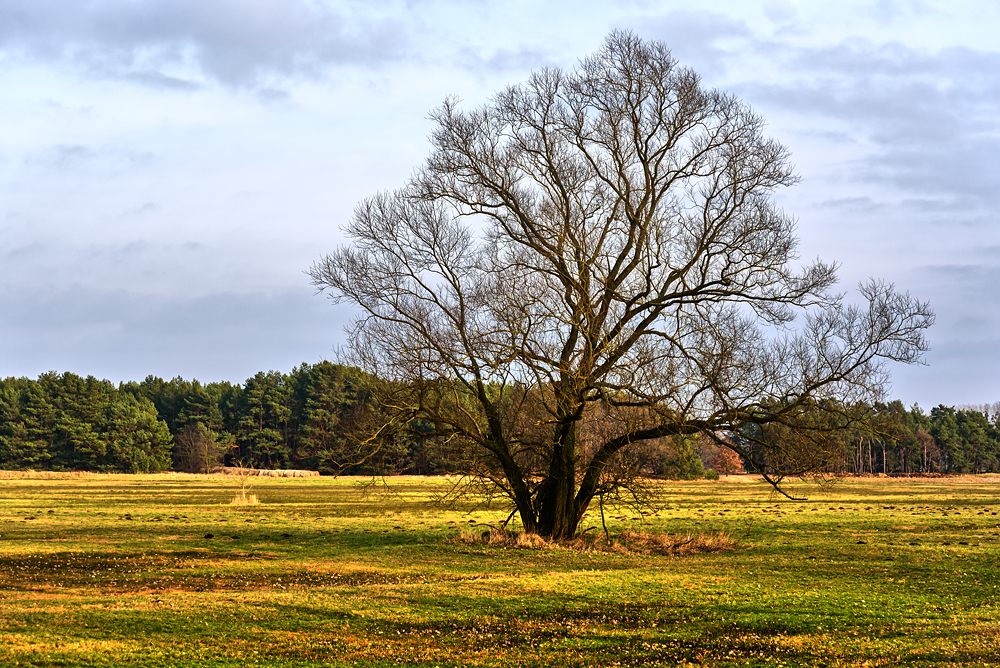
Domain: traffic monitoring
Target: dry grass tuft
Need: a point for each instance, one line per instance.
(46, 475)
(248, 500)
(658, 543)
(500, 538)
(625, 543)
(264, 473)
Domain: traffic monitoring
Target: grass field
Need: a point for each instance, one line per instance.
(118, 570)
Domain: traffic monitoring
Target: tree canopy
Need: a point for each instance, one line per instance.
(594, 260)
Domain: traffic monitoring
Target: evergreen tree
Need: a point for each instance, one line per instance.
(17, 449)
(944, 429)
(137, 441)
(264, 419)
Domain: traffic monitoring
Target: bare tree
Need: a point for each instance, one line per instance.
(197, 449)
(727, 462)
(602, 239)
(246, 478)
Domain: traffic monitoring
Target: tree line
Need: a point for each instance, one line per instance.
(317, 417)
(320, 416)
(312, 418)
(888, 438)
(65, 422)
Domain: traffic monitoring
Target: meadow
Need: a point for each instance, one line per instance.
(161, 570)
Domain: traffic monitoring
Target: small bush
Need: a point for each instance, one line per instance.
(711, 474)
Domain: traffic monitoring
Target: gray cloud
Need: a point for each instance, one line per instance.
(154, 79)
(897, 144)
(992, 252)
(26, 252)
(124, 335)
(235, 42)
(959, 371)
(904, 144)
(931, 119)
(924, 121)
(853, 205)
(63, 157)
(923, 124)
(976, 276)
(696, 38)
(502, 60)
(104, 160)
(965, 338)
(779, 11)
(270, 94)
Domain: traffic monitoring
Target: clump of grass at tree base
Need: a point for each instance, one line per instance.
(329, 572)
(627, 542)
(245, 500)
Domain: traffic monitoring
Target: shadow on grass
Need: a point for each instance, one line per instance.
(187, 571)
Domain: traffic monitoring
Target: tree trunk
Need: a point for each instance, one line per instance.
(557, 517)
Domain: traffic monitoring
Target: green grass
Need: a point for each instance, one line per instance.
(117, 570)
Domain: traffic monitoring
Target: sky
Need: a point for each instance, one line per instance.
(169, 169)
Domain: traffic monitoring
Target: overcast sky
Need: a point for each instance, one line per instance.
(169, 168)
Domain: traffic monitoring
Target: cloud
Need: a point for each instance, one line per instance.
(853, 205)
(779, 11)
(697, 38)
(25, 252)
(154, 79)
(959, 371)
(124, 335)
(273, 95)
(926, 123)
(900, 121)
(172, 43)
(502, 60)
(963, 364)
(78, 157)
(63, 157)
(967, 303)
(981, 276)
